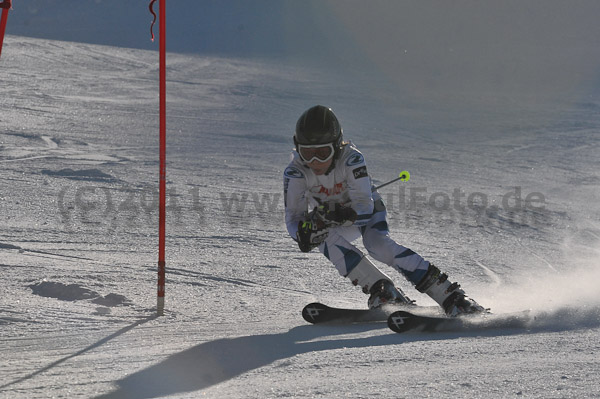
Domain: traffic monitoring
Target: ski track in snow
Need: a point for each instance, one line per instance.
(78, 243)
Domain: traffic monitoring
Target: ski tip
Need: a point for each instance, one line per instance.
(401, 321)
(314, 312)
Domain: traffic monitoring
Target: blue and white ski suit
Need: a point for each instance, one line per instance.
(348, 183)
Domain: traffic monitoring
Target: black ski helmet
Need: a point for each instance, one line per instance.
(318, 125)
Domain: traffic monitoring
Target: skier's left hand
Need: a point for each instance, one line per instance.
(335, 214)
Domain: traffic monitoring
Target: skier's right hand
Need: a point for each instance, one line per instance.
(310, 234)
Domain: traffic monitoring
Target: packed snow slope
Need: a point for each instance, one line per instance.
(494, 111)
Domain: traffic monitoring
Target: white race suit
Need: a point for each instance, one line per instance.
(349, 184)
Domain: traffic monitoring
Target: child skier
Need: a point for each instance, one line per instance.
(328, 176)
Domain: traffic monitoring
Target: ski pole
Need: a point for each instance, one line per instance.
(403, 176)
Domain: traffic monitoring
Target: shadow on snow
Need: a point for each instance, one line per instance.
(210, 363)
(78, 353)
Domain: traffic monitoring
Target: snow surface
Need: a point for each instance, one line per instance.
(78, 202)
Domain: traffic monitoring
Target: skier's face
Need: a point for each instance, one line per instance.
(318, 167)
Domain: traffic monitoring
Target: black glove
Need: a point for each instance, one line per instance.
(310, 234)
(335, 214)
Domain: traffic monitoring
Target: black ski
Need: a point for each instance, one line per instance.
(402, 321)
(320, 313)
(316, 313)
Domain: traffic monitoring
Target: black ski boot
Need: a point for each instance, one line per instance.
(384, 292)
(448, 295)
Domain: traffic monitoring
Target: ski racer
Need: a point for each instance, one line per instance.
(330, 202)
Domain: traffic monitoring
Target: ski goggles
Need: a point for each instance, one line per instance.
(320, 152)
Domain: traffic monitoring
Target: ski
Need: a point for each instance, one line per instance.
(403, 321)
(316, 313)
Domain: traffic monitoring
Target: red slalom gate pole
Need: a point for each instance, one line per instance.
(5, 5)
(163, 151)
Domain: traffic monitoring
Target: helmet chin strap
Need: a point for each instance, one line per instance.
(332, 166)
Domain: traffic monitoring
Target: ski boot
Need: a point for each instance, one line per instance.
(376, 284)
(384, 292)
(448, 295)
